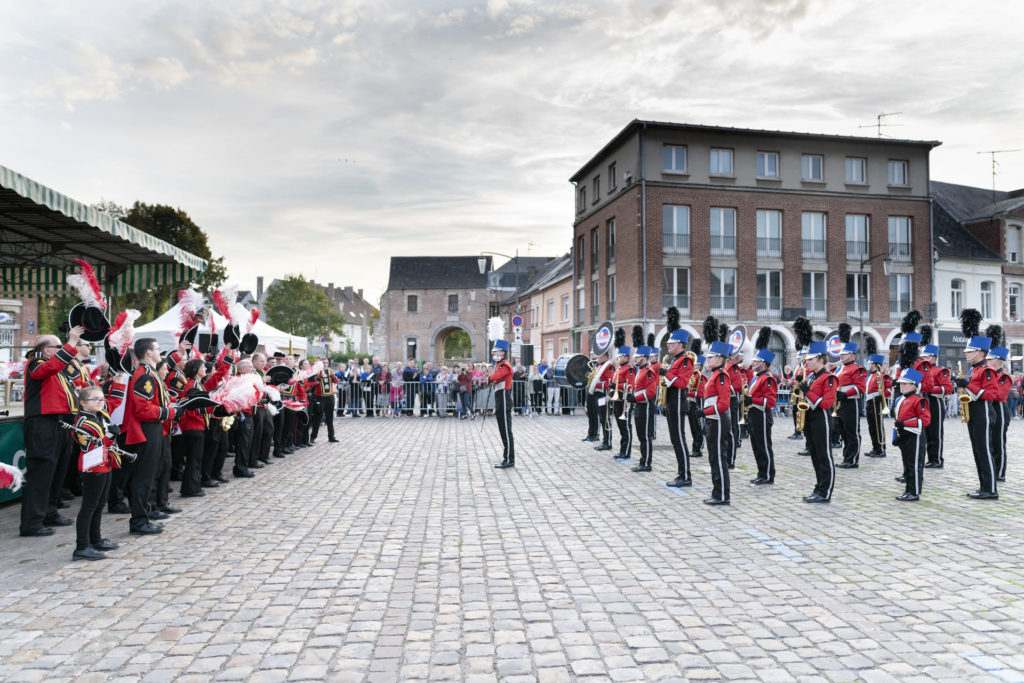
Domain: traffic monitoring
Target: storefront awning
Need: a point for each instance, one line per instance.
(42, 231)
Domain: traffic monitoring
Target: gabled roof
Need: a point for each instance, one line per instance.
(953, 241)
(966, 203)
(437, 272)
(557, 270)
(505, 276)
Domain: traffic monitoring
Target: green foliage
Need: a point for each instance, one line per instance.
(343, 357)
(458, 345)
(53, 312)
(296, 307)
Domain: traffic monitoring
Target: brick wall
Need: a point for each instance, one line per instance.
(430, 319)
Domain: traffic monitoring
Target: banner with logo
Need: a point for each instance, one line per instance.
(602, 338)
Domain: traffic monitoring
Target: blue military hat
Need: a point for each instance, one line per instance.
(700, 360)
(930, 350)
(624, 351)
(817, 348)
(979, 344)
(680, 336)
(912, 337)
(643, 350)
(501, 345)
(765, 356)
(999, 352)
(849, 347)
(911, 375)
(877, 359)
(719, 348)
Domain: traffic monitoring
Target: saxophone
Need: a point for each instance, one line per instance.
(743, 404)
(801, 405)
(662, 386)
(961, 395)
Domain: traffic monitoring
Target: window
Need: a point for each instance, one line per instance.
(856, 170)
(956, 298)
(767, 164)
(675, 288)
(1013, 301)
(1013, 244)
(675, 229)
(549, 350)
(581, 200)
(595, 301)
(581, 262)
(611, 297)
(411, 303)
(898, 172)
(856, 236)
(674, 158)
(581, 295)
(812, 167)
(813, 234)
(611, 241)
(899, 238)
(857, 304)
(986, 299)
(453, 303)
(597, 189)
(769, 293)
(723, 232)
(723, 291)
(814, 294)
(769, 234)
(492, 310)
(565, 307)
(595, 248)
(565, 345)
(721, 161)
(611, 176)
(534, 317)
(551, 311)
(899, 297)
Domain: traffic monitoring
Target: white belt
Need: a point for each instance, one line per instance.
(871, 395)
(709, 402)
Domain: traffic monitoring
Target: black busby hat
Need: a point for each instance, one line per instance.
(91, 319)
(279, 374)
(249, 343)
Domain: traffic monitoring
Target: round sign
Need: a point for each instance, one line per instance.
(736, 340)
(603, 337)
(834, 345)
(517, 321)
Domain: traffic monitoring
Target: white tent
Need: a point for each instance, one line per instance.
(165, 330)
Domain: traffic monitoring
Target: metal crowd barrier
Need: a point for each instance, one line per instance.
(445, 398)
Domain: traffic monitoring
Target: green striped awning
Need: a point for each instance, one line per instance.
(25, 282)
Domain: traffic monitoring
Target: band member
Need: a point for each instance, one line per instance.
(852, 380)
(600, 385)
(622, 383)
(736, 381)
(798, 376)
(936, 385)
(94, 421)
(714, 401)
(819, 390)
(983, 392)
(643, 395)
(677, 378)
(695, 416)
(652, 405)
(323, 396)
(592, 410)
(996, 361)
(911, 416)
(502, 380)
(762, 394)
(878, 392)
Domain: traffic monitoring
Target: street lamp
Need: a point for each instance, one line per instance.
(886, 265)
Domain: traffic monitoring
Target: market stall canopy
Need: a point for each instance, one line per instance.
(165, 330)
(43, 231)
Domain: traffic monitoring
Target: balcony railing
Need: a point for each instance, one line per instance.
(899, 251)
(814, 248)
(856, 250)
(611, 310)
(858, 307)
(898, 309)
(680, 301)
(815, 307)
(723, 305)
(675, 242)
(723, 246)
(769, 306)
(769, 247)
(595, 310)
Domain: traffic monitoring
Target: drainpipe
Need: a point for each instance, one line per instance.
(643, 221)
(573, 296)
(931, 237)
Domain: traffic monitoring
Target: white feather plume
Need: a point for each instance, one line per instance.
(303, 375)
(495, 329)
(8, 369)
(272, 393)
(15, 472)
(239, 393)
(121, 335)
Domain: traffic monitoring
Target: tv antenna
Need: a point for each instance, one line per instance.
(992, 153)
(879, 125)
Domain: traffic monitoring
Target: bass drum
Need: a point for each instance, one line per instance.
(571, 370)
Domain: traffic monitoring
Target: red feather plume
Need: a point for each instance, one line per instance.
(222, 304)
(254, 315)
(87, 285)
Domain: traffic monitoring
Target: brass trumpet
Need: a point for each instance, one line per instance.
(615, 381)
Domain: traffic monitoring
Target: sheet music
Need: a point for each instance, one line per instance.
(92, 459)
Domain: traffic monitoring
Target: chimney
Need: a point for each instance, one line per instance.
(531, 271)
(330, 291)
(348, 292)
(259, 288)
(360, 291)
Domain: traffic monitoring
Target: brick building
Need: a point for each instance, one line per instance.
(19, 321)
(546, 306)
(746, 223)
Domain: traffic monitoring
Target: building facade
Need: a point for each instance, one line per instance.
(19, 320)
(752, 226)
(546, 308)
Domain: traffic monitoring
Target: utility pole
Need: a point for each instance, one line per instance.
(993, 153)
(879, 125)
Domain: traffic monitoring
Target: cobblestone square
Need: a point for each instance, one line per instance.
(401, 554)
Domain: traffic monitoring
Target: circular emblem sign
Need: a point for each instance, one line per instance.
(517, 321)
(834, 345)
(602, 338)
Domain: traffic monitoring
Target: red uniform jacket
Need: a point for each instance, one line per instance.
(925, 368)
(822, 391)
(984, 384)
(715, 394)
(736, 378)
(503, 374)
(678, 374)
(605, 379)
(1004, 384)
(764, 391)
(627, 374)
(872, 387)
(146, 401)
(940, 381)
(701, 381)
(645, 385)
(96, 426)
(912, 410)
(48, 391)
(852, 380)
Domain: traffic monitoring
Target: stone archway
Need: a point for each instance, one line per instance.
(442, 335)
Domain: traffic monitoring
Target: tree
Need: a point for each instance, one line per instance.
(458, 345)
(297, 307)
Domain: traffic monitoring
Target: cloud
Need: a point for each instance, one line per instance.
(163, 72)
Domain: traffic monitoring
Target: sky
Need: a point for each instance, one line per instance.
(323, 137)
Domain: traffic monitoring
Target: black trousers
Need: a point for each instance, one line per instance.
(602, 416)
(652, 414)
(211, 444)
(119, 478)
(177, 457)
(427, 400)
(876, 424)
(621, 409)
(998, 438)
(288, 428)
(592, 415)
(162, 477)
(732, 437)
(503, 414)
(325, 405)
(675, 408)
(95, 489)
(696, 427)
(718, 454)
(1007, 416)
(67, 452)
(912, 448)
(221, 454)
(44, 442)
(315, 416)
(642, 415)
(759, 427)
(243, 445)
(980, 430)
(279, 432)
(193, 449)
(818, 432)
(848, 419)
(140, 482)
(936, 429)
(264, 428)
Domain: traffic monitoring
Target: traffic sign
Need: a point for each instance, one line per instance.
(517, 321)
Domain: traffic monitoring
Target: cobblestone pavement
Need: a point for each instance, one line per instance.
(401, 554)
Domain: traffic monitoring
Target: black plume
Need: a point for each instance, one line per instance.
(970, 322)
(926, 335)
(650, 339)
(764, 335)
(908, 354)
(620, 337)
(803, 331)
(695, 345)
(710, 329)
(845, 332)
(870, 345)
(723, 332)
(910, 321)
(995, 333)
(638, 336)
(672, 319)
